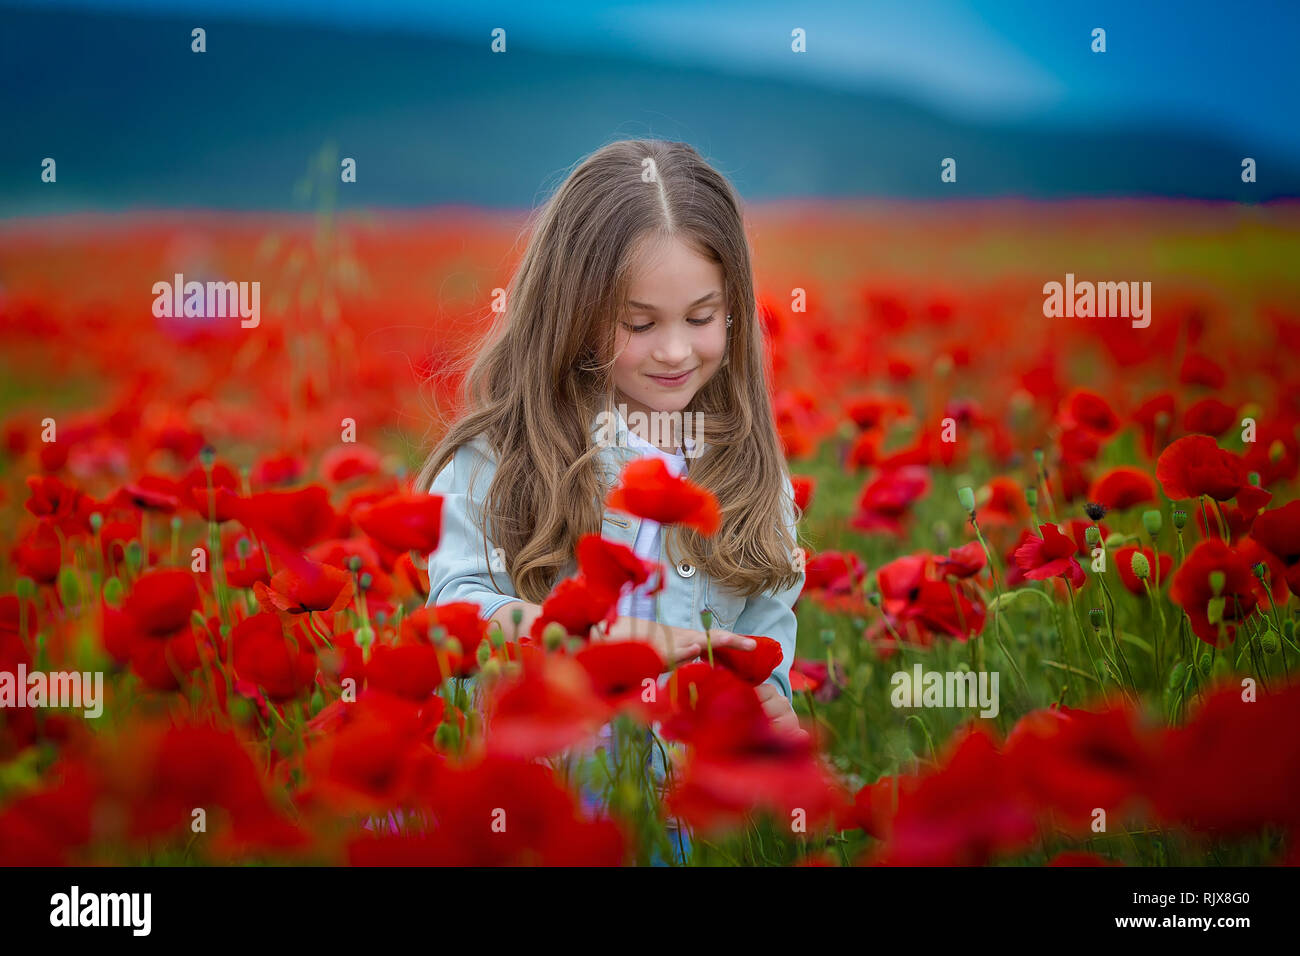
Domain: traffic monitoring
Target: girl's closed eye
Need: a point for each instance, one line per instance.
(697, 322)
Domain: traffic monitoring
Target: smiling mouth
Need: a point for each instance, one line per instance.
(673, 379)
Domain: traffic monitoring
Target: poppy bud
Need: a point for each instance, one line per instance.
(113, 589)
(1204, 665)
(365, 581)
(966, 496)
(69, 586)
(516, 616)
(364, 637)
(1253, 478)
(706, 618)
(1217, 581)
(874, 598)
(1153, 521)
(207, 455)
(1180, 519)
(96, 521)
(1177, 675)
(553, 635)
(1094, 510)
(1141, 566)
(437, 635)
(1097, 617)
(497, 637)
(242, 547)
(1260, 569)
(446, 736)
(1092, 534)
(354, 562)
(1031, 497)
(483, 653)
(1269, 642)
(828, 636)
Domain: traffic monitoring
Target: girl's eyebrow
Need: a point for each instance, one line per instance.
(650, 308)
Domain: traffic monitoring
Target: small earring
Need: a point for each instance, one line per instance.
(728, 320)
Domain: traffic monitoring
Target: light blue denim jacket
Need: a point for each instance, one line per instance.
(460, 570)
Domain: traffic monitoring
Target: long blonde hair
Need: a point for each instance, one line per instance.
(544, 374)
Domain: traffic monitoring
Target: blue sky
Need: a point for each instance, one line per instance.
(1231, 66)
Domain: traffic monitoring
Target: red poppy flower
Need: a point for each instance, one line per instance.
(885, 500)
(647, 489)
(153, 631)
(836, 572)
(1209, 416)
(410, 671)
(963, 562)
(752, 666)
(803, 486)
(578, 606)
(461, 620)
(68, 507)
(305, 587)
(263, 654)
(39, 553)
(374, 754)
(1193, 592)
(551, 705)
(1092, 411)
(1123, 487)
(192, 491)
(1072, 760)
(499, 812)
(1231, 769)
(1049, 556)
(619, 671)
(345, 462)
(1200, 370)
(1006, 503)
(1195, 466)
(301, 518)
(403, 522)
(964, 813)
(609, 567)
(1278, 530)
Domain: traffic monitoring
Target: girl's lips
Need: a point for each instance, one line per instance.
(671, 382)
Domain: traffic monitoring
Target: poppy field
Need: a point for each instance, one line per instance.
(1090, 524)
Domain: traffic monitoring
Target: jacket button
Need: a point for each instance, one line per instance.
(685, 570)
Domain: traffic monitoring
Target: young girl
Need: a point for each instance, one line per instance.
(633, 303)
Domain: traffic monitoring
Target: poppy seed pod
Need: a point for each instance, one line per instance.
(1217, 580)
(1141, 566)
(1092, 534)
(1180, 519)
(553, 635)
(1153, 521)
(1031, 498)
(966, 496)
(1260, 569)
(1269, 642)
(706, 618)
(1096, 617)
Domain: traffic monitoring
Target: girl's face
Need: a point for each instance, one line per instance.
(672, 335)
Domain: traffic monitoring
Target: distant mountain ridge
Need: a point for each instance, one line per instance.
(134, 119)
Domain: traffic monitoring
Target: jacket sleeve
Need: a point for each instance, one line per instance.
(460, 569)
(772, 614)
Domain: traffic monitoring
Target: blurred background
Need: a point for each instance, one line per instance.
(885, 90)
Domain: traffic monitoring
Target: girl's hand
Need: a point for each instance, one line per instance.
(778, 707)
(675, 645)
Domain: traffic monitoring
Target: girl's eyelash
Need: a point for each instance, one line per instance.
(697, 322)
